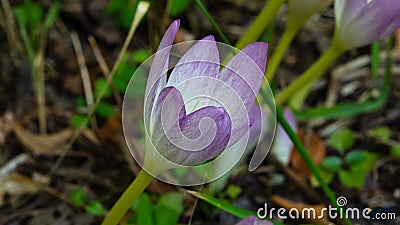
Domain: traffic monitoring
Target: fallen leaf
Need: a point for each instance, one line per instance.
(316, 148)
(306, 211)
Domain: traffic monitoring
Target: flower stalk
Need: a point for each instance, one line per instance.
(305, 81)
(263, 19)
(129, 196)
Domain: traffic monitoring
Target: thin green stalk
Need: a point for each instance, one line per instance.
(375, 61)
(275, 60)
(119, 209)
(212, 21)
(263, 19)
(306, 80)
(306, 157)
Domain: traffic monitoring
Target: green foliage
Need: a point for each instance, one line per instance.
(166, 211)
(355, 157)
(122, 11)
(353, 166)
(395, 151)
(95, 208)
(78, 196)
(178, 6)
(352, 178)
(342, 140)
(33, 22)
(332, 164)
(380, 133)
(123, 75)
(233, 191)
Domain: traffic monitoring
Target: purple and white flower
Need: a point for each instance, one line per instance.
(187, 129)
(360, 22)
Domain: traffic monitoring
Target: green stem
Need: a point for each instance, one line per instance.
(279, 52)
(263, 19)
(212, 21)
(306, 157)
(311, 74)
(119, 209)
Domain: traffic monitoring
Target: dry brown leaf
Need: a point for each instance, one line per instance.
(50, 145)
(316, 148)
(303, 209)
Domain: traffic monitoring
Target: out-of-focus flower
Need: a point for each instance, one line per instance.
(282, 146)
(360, 22)
(252, 220)
(189, 131)
(301, 10)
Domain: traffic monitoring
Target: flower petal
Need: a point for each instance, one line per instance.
(282, 146)
(201, 136)
(202, 59)
(245, 71)
(359, 22)
(157, 75)
(168, 110)
(252, 220)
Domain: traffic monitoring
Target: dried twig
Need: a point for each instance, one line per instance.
(104, 67)
(87, 86)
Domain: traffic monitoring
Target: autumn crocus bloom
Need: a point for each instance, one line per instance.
(187, 130)
(360, 22)
(252, 220)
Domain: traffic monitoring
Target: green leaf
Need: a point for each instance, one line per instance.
(233, 191)
(332, 163)
(52, 15)
(139, 56)
(78, 196)
(78, 120)
(178, 6)
(395, 151)
(353, 178)
(165, 215)
(144, 210)
(173, 200)
(355, 157)
(95, 208)
(221, 204)
(99, 85)
(169, 208)
(326, 176)
(342, 140)
(380, 133)
(105, 110)
(368, 163)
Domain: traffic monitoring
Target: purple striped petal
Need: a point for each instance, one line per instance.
(202, 59)
(245, 71)
(252, 220)
(359, 22)
(168, 110)
(202, 135)
(157, 75)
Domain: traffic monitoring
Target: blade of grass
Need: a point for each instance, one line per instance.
(212, 21)
(231, 209)
(306, 157)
